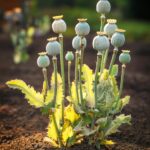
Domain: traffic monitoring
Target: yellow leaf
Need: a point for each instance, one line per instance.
(105, 75)
(70, 114)
(67, 132)
(52, 134)
(50, 93)
(88, 84)
(34, 98)
(108, 142)
(73, 94)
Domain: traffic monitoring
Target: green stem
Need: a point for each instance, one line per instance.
(115, 52)
(55, 78)
(69, 83)
(62, 61)
(80, 82)
(102, 62)
(105, 58)
(102, 22)
(44, 70)
(57, 130)
(76, 74)
(122, 79)
(62, 72)
(82, 51)
(45, 78)
(96, 75)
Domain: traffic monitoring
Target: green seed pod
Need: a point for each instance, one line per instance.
(125, 57)
(118, 38)
(82, 28)
(59, 25)
(53, 47)
(101, 42)
(76, 42)
(103, 7)
(69, 56)
(43, 60)
(110, 27)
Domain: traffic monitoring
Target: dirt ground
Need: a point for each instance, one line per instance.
(23, 127)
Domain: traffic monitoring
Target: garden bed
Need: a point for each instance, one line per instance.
(23, 128)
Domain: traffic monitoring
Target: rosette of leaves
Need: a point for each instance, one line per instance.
(106, 119)
(44, 100)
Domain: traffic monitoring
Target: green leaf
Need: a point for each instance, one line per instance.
(34, 98)
(114, 71)
(116, 123)
(88, 84)
(73, 98)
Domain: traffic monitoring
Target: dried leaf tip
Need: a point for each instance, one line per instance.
(58, 17)
(52, 39)
(112, 21)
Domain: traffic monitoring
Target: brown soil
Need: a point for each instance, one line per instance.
(23, 127)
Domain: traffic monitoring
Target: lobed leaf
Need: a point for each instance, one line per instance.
(34, 98)
(116, 123)
(88, 84)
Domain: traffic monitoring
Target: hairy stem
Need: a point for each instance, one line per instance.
(96, 75)
(69, 82)
(122, 79)
(115, 52)
(76, 74)
(62, 72)
(55, 78)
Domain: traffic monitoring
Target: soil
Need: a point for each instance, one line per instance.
(23, 128)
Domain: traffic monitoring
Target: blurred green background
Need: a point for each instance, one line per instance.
(132, 15)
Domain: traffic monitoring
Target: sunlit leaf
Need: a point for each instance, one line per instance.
(34, 98)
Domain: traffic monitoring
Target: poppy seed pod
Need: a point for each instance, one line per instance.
(53, 47)
(118, 38)
(110, 27)
(82, 28)
(101, 42)
(103, 7)
(125, 57)
(76, 42)
(59, 25)
(43, 60)
(69, 56)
